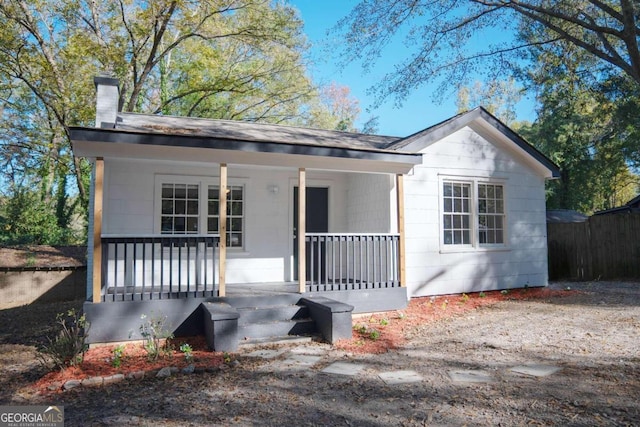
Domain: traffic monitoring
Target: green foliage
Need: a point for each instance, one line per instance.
(499, 97)
(583, 128)
(187, 351)
(367, 332)
(157, 337)
(360, 328)
(482, 295)
(68, 346)
(240, 60)
(118, 354)
(25, 218)
(464, 298)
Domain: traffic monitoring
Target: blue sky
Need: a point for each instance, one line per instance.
(416, 113)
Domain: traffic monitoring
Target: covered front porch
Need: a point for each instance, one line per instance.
(184, 214)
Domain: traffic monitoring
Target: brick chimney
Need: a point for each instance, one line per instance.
(107, 98)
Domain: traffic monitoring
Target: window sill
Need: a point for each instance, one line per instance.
(237, 253)
(472, 249)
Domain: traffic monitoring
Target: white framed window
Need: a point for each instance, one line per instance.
(189, 205)
(456, 213)
(472, 213)
(490, 214)
(180, 212)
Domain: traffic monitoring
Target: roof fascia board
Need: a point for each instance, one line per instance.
(151, 139)
(92, 149)
(423, 139)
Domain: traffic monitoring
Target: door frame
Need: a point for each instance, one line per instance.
(321, 183)
(307, 211)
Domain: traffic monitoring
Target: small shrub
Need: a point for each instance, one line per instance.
(504, 291)
(384, 321)
(464, 298)
(69, 345)
(118, 354)
(226, 357)
(374, 334)
(187, 351)
(482, 295)
(156, 336)
(359, 328)
(401, 315)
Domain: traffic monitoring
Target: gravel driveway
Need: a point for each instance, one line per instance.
(591, 338)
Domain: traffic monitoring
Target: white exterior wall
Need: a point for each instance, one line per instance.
(130, 208)
(369, 206)
(433, 269)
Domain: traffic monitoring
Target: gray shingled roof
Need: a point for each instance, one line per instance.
(247, 131)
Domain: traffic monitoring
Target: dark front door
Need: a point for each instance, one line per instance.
(317, 221)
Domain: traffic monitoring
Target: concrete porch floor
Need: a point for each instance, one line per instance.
(253, 289)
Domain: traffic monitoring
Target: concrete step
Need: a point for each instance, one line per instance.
(280, 328)
(288, 340)
(267, 314)
(259, 300)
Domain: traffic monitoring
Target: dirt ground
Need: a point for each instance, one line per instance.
(42, 256)
(592, 335)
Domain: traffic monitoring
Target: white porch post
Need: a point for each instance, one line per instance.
(400, 217)
(302, 213)
(222, 230)
(97, 230)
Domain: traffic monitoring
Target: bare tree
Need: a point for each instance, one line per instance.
(443, 37)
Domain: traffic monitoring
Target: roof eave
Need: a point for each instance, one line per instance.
(90, 142)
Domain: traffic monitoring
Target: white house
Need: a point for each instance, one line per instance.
(186, 211)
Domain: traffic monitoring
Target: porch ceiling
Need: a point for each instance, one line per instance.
(118, 143)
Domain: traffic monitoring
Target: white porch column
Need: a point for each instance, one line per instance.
(302, 213)
(97, 230)
(400, 217)
(222, 230)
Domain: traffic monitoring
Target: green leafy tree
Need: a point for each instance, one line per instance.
(577, 129)
(232, 59)
(499, 97)
(583, 124)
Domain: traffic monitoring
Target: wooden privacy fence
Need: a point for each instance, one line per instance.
(603, 247)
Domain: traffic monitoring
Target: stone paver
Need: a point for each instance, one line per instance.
(344, 368)
(536, 370)
(471, 376)
(302, 359)
(400, 377)
(265, 354)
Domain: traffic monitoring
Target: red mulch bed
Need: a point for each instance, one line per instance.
(97, 362)
(377, 333)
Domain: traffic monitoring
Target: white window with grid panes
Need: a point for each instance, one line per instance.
(490, 214)
(189, 205)
(180, 212)
(456, 216)
(472, 213)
